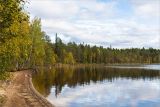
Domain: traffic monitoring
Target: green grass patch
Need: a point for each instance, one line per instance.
(4, 75)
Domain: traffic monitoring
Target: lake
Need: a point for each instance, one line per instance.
(100, 86)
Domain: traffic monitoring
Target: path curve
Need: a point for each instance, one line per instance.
(21, 93)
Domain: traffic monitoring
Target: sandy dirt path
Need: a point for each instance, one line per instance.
(21, 93)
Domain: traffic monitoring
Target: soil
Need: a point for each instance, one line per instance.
(20, 92)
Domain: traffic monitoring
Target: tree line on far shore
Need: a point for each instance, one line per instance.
(24, 45)
(86, 54)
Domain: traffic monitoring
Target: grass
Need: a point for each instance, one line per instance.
(4, 75)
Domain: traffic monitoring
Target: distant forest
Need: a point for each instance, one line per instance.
(72, 53)
(24, 45)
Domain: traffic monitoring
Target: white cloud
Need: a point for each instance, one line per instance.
(96, 22)
(52, 8)
(147, 8)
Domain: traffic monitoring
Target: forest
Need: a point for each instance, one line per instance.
(24, 45)
(72, 53)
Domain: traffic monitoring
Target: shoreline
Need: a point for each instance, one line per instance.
(102, 64)
(38, 94)
(20, 91)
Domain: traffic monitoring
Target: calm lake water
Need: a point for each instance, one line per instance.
(103, 86)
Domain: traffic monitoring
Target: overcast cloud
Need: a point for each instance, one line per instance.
(121, 23)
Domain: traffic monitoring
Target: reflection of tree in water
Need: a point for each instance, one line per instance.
(43, 80)
(73, 76)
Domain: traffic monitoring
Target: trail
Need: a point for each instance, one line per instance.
(21, 93)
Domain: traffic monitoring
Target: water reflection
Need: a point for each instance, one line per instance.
(99, 86)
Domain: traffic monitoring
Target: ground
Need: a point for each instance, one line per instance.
(19, 91)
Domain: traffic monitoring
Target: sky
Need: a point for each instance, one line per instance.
(120, 23)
